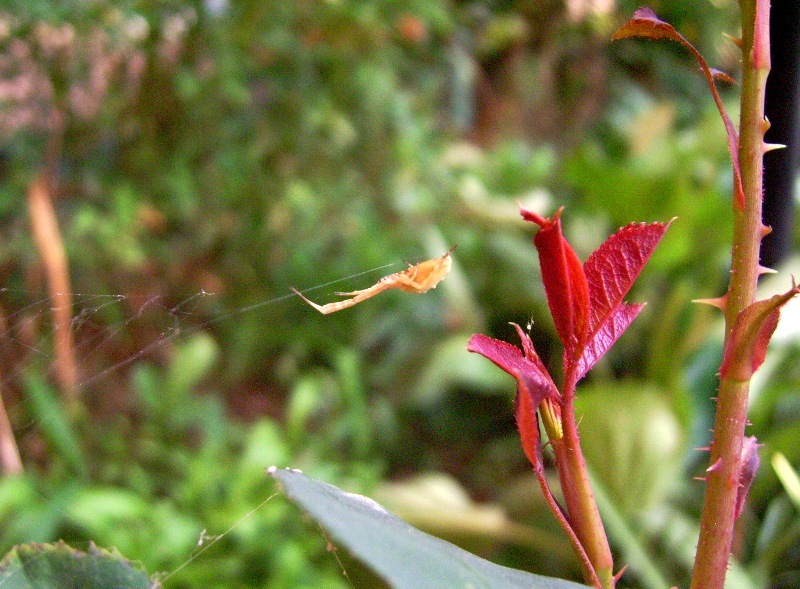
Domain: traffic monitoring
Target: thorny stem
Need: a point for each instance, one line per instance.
(716, 526)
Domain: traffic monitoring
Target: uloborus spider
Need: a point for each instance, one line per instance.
(418, 278)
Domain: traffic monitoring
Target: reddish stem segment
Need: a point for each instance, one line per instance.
(581, 505)
(716, 526)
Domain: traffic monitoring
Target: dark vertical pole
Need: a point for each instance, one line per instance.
(783, 112)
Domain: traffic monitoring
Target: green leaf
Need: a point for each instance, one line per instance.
(57, 566)
(632, 441)
(401, 554)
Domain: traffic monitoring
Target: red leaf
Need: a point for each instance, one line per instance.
(610, 272)
(746, 347)
(528, 371)
(528, 425)
(646, 24)
(533, 385)
(604, 337)
(564, 282)
(613, 267)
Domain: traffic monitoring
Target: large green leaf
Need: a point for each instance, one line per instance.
(57, 566)
(401, 554)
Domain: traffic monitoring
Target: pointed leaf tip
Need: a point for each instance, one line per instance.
(533, 217)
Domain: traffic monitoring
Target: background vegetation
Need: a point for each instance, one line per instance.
(209, 155)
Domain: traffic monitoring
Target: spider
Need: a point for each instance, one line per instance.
(418, 278)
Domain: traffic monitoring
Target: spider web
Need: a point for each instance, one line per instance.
(112, 333)
(104, 321)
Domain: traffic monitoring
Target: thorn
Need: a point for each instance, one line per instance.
(771, 146)
(715, 466)
(735, 40)
(619, 574)
(700, 479)
(765, 270)
(765, 230)
(720, 303)
(765, 125)
(704, 449)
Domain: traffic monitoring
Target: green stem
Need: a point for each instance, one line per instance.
(716, 526)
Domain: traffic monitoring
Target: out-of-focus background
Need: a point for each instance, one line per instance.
(202, 157)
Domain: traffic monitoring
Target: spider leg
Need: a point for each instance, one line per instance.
(353, 293)
(365, 293)
(330, 307)
(360, 295)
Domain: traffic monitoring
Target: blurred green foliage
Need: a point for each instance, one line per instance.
(211, 154)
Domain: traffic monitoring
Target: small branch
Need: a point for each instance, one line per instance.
(47, 236)
(10, 461)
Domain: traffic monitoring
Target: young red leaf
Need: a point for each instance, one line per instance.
(605, 336)
(564, 282)
(533, 385)
(646, 24)
(528, 425)
(613, 267)
(527, 369)
(610, 272)
(746, 347)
